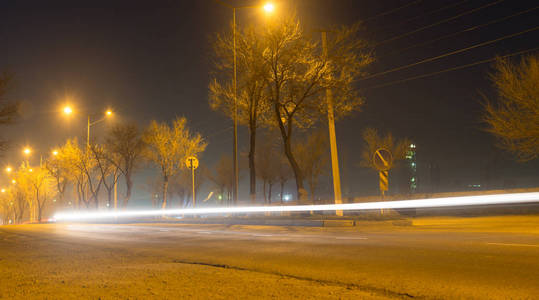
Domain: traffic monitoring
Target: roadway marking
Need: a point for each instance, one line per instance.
(205, 232)
(516, 245)
(262, 234)
(350, 238)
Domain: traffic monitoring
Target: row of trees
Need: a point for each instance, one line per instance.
(94, 169)
(283, 76)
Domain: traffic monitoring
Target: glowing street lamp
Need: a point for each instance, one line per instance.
(3, 190)
(55, 152)
(13, 181)
(269, 7)
(68, 110)
(9, 169)
(27, 151)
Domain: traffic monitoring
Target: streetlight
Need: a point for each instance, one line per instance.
(8, 169)
(268, 8)
(67, 110)
(108, 114)
(55, 152)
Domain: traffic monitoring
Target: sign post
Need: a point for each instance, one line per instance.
(382, 160)
(192, 164)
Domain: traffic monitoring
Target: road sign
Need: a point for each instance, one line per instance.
(191, 162)
(382, 159)
(384, 180)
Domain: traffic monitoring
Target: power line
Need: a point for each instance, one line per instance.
(449, 69)
(391, 11)
(475, 27)
(436, 10)
(437, 23)
(450, 53)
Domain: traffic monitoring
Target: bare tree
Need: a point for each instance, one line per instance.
(251, 101)
(60, 173)
(299, 74)
(268, 160)
(514, 118)
(107, 163)
(124, 142)
(8, 110)
(373, 141)
(313, 158)
(285, 173)
(222, 177)
(169, 146)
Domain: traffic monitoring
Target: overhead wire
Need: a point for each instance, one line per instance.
(450, 53)
(438, 23)
(436, 10)
(450, 69)
(471, 28)
(391, 11)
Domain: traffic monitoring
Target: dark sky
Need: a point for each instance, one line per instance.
(150, 60)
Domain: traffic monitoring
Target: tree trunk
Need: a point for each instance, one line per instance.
(269, 192)
(301, 193)
(282, 190)
(264, 191)
(252, 170)
(129, 188)
(109, 200)
(165, 191)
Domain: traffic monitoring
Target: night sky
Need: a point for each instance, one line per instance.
(151, 60)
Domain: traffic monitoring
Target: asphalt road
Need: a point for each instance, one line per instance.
(435, 258)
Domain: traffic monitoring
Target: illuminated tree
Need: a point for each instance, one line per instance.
(299, 75)
(252, 104)
(169, 146)
(373, 141)
(514, 118)
(80, 167)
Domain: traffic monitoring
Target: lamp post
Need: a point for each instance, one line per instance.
(268, 8)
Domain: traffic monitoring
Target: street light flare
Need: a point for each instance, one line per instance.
(3, 190)
(27, 151)
(108, 113)
(13, 181)
(55, 152)
(9, 169)
(68, 110)
(269, 7)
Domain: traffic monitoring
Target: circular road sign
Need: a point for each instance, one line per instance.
(191, 162)
(382, 159)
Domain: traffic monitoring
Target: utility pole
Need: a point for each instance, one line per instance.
(234, 84)
(332, 138)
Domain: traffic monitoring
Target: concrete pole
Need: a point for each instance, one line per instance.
(234, 84)
(332, 137)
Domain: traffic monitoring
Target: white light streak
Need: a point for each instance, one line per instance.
(422, 203)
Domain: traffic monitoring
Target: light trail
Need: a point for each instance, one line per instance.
(421, 203)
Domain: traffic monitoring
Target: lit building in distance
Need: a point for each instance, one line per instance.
(412, 164)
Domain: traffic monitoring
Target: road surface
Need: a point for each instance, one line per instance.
(479, 258)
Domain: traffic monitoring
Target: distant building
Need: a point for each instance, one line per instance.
(412, 166)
